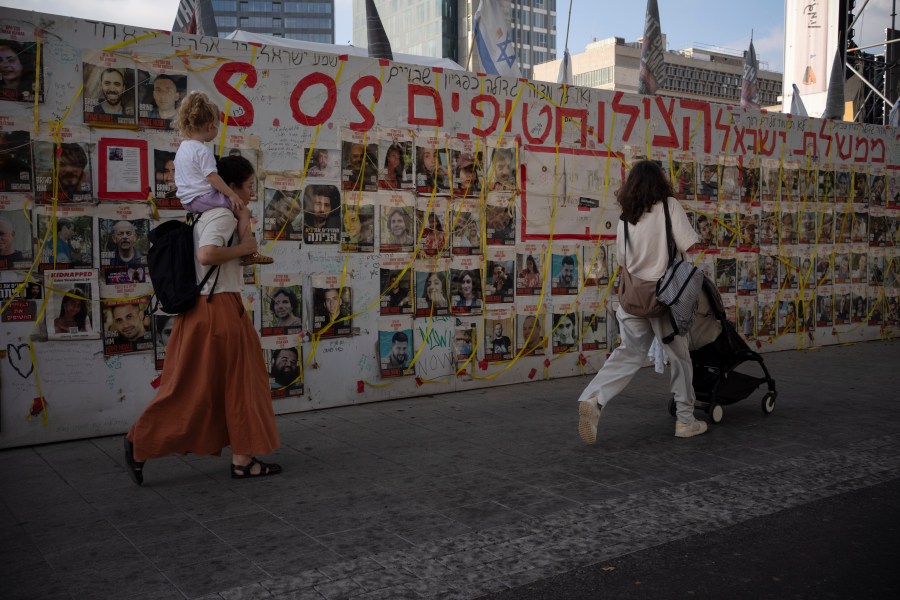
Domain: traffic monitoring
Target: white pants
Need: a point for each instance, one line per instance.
(637, 335)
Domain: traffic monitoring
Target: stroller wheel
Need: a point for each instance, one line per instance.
(768, 402)
(672, 409)
(716, 413)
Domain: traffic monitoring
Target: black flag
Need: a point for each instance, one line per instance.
(379, 46)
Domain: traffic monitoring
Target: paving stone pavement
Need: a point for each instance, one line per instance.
(446, 496)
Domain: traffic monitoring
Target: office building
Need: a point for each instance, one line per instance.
(312, 21)
(443, 28)
(705, 73)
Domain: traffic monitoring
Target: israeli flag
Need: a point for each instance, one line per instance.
(493, 39)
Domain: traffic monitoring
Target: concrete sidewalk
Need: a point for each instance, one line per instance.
(451, 496)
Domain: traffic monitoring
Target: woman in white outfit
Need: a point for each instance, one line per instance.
(641, 198)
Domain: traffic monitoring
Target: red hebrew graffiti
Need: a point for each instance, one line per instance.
(825, 136)
(327, 108)
(421, 91)
(671, 140)
(476, 108)
(864, 155)
(222, 82)
(723, 124)
(627, 109)
(840, 140)
(703, 108)
(877, 143)
(368, 117)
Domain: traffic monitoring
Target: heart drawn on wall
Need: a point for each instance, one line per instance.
(18, 362)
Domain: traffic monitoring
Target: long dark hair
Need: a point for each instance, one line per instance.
(645, 185)
(81, 316)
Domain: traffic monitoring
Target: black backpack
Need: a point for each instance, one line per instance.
(170, 261)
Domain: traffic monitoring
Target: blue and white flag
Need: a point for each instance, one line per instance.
(493, 39)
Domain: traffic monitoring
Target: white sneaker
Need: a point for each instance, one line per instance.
(588, 417)
(683, 430)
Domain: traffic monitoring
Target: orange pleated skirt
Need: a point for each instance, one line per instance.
(214, 390)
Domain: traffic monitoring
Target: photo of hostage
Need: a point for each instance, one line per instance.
(282, 214)
(8, 251)
(565, 277)
(331, 304)
(284, 369)
(500, 343)
(430, 173)
(73, 178)
(16, 71)
(165, 98)
(565, 331)
(503, 172)
(398, 355)
(321, 214)
(468, 291)
(396, 293)
(214, 391)
(123, 245)
(434, 239)
(318, 163)
(532, 335)
(399, 228)
(500, 283)
(65, 252)
(74, 314)
(641, 197)
(530, 275)
(332, 311)
(360, 166)
(200, 187)
(359, 224)
(125, 324)
(432, 288)
(114, 93)
(466, 180)
(462, 343)
(164, 174)
(500, 224)
(392, 174)
(162, 330)
(285, 308)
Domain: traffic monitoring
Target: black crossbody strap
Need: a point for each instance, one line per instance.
(211, 271)
(670, 239)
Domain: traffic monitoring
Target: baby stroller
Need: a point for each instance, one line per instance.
(716, 351)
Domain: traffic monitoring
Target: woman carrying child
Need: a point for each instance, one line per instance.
(214, 390)
(200, 188)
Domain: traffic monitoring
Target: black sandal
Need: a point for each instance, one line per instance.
(135, 467)
(246, 471)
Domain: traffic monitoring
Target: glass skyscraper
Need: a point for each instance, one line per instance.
(312, 21)
(443, 28)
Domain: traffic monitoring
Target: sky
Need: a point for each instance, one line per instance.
(718, 23)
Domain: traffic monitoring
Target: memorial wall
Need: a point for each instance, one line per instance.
(432, 230)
